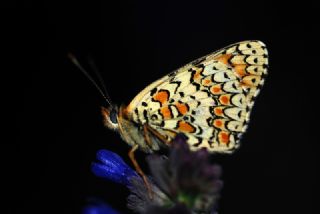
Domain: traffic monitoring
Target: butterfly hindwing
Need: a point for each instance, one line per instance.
(209, 100)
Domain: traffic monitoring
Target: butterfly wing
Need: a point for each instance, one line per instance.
(209, 99)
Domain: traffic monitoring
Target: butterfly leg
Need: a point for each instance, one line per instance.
(148, 128)
(146, 135)
(139, 170)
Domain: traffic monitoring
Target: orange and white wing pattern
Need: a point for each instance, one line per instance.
(209, 100)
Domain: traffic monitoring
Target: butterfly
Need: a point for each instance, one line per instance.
(208, 100)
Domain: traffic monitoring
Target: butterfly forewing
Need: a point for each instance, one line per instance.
(209, 100)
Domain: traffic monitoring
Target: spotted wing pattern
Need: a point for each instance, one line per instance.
(209, 100)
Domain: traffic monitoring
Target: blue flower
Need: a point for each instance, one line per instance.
(113, 168)
(97, 207)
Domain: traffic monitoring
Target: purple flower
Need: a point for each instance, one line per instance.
(185, 182)
(113, 168)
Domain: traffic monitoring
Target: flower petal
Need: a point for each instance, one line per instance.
(106, 156)
(112, 167)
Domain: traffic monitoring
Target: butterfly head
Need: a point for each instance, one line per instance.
(110, 117)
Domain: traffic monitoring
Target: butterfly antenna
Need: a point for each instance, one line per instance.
(98, 74)
(76, 63)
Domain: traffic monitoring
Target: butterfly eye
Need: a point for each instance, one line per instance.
(113, 116)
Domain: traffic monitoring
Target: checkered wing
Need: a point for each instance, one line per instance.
(209, 100)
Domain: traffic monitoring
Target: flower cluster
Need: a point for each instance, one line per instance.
(182, 182)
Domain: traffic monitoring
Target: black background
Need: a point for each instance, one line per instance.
(57, 123)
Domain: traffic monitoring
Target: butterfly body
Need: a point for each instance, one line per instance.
(209, 100)
(132, 133)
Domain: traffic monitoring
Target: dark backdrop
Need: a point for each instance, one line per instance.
(57, 122)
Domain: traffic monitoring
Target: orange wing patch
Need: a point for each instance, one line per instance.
(197, 75)
(218, 111)
(240, 70)
(206, 82)
(224, 137)
(218, 123)
(185, 127)
(182, 108)
(224, 58)
(162, 96)
(166, 113)
(216, 89)
(225, 99)
(251, 80)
